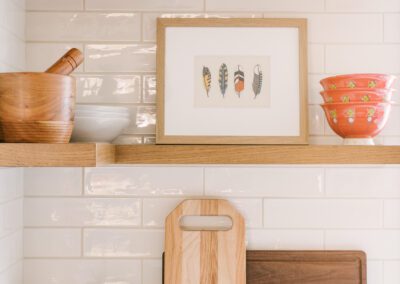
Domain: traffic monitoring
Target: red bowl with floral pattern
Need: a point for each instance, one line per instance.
(357, 120)
(357, 95)
(352, 81)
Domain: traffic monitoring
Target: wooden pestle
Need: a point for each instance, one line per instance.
(67, 63)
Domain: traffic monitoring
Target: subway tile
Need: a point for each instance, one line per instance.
(149, 89)
(14, 20)
(78, 212)
(149, 139)
(284, 239)
(325, 140)
(82, 271)
(392, 126)
(69, 26)
(52, 242)
(391, 141)
(378, 244)
(10, 184)
(145, 5)
(363, 58)
(314, 88)
(11, 217)
(11, 250)
(128, 140)
(392, 213)
(363, 182)
(260, 5)
(40, 56)
(120, 58)
(143, 120)
(374, 271)
(108, 89)
(322, 213)
(123, 243)
(150, 20)
(13, 274)
(54, 5)
(264, 181)
(391, 24)
(316, 120)
(155, 210)
(374, 6)
(339, 28)
(53, 181)
(152, 271)
(144, 181)
(316, 58)
(391, 272)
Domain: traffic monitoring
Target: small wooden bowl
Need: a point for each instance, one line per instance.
(36, 131)
(36, 97)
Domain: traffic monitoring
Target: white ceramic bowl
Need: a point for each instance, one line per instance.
(100, 114)
(98, 129)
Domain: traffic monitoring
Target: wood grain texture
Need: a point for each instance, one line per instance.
(204, 257)
(67, 63)
(256, 154)
(163, 24)
(306, 267)
(54, 155)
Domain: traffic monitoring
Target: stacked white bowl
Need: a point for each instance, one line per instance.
(96, 123)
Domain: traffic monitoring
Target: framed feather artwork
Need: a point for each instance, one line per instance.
(231, 81)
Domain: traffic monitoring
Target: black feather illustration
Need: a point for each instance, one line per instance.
(223, 78)
(257, 80)
(239, 80)
(207, 79)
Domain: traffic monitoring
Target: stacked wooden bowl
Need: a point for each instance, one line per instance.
(38, 107)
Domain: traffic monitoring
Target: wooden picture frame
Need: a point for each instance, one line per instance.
(167, 27)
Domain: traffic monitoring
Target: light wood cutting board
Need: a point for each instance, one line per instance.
(204, 256)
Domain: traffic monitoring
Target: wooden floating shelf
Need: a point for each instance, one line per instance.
(92, 154)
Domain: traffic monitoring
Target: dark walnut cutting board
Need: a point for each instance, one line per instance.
(305, 267)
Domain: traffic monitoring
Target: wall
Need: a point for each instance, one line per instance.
(12, 58)
(105, 225)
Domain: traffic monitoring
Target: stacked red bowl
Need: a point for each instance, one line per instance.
(357, 106)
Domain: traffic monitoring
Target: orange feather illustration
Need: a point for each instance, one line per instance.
(239, 80)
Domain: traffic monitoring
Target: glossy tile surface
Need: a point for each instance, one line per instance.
(145, 5)
(144, 181)
(111, 89)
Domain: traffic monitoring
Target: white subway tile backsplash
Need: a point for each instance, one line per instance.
(391, 270)
(52, 242)
(322, 213)
(392, 126)
(339, 28)
(264, 181)
(53, 181)
(145, 5)
(378, 244)
(362, 6)
(271, 5)
(54, 5)
(11, 250)
(316, 120)
(13, 274)
(284, 239)
(11, 217)
(40, 56)
(120, 58)
(316, 58)
(363, 182)
(108, 89)
(144, 181)
(379, 58)
(391, 24)
(152, 271)
(392, 213)
(10, 184)
(82, 271)
(314, 88)
(251, 210)
(374, 271)
(83, 26)
(149, 89)
(143, 120)
(77, 212)
(123, 243)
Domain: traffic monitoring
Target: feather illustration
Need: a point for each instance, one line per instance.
(223, 78)
(239, 80)
(207, 79)
(257, 80)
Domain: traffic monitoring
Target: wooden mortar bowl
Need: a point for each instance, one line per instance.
(36, 97)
